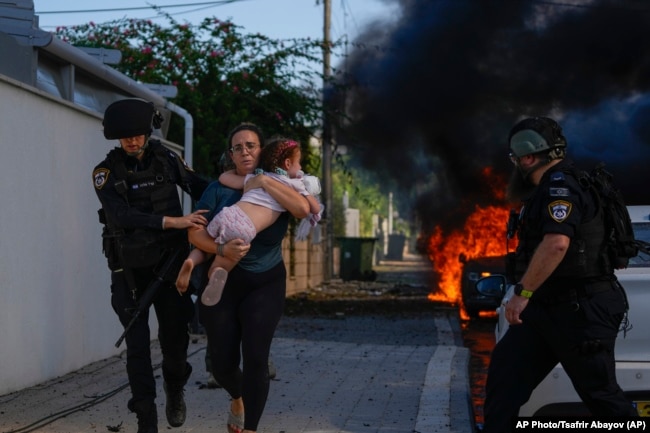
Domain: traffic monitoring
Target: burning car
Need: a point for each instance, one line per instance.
(555, 395)
(478, 243)
(473, 270)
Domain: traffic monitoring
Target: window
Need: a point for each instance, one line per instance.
(642, 233)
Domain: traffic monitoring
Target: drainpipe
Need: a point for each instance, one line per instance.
(189, 144)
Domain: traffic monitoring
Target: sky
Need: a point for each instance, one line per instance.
(432, 87)
(273, 18)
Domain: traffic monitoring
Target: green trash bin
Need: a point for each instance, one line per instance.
(356, 258)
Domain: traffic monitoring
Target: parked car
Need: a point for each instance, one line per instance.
(473, 270)
(555, 395)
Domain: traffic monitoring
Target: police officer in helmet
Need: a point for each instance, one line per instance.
(567, 305)
(144, 228)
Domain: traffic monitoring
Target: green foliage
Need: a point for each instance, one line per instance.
(363, 194)
(223, 77)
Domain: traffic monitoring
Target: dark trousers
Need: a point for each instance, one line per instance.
(580, 336)
(241, 327)
(174, 312)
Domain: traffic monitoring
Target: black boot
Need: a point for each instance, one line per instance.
(147, 416)
(175, 408)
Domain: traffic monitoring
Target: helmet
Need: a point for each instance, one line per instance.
(535, 135)
(129, 118)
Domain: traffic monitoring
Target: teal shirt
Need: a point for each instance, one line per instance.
(266, 248)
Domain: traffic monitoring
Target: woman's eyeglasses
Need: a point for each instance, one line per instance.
(249, 146)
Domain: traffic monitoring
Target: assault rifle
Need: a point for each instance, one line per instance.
(513, 224)
(165, 273)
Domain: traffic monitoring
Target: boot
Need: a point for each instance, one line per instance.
(147, 416)
(175, 408)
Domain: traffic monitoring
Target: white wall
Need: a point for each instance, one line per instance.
(351, 222)
(55, 313)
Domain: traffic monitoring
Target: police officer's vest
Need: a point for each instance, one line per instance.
(153, 191)
(585, 257)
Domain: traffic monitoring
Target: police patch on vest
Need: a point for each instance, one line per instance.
(559, 210)
(100, 176)
(558, 192)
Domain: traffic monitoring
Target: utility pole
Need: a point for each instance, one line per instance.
(327, 148)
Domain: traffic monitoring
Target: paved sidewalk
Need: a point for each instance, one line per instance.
(405, 373)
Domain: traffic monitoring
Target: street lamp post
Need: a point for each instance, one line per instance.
(327, 149)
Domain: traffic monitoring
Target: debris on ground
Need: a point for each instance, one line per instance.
(395, 291)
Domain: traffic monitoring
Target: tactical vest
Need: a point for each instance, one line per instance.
(153, 191)
(585, 257)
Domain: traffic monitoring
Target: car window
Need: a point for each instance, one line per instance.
(641, 232)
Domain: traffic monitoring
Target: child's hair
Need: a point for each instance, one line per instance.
(276, 150)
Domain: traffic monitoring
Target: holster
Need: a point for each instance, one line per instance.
(110, 243)
(110, 249)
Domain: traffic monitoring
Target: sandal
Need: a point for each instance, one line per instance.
(213, 290)
(235, 422)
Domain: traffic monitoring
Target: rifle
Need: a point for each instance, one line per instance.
(163, 274)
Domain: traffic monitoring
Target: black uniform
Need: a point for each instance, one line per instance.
(135, 195)
(573, 318)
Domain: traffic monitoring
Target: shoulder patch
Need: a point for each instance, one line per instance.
(100, 176)
(187, 167)
(559, 210)
(558, 176)
(177, 157)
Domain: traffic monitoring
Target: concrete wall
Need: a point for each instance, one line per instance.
(307, 270)
(55, 313)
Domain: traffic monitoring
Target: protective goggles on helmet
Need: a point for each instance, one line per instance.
(527, 142)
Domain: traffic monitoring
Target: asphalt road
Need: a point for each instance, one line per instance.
(354, 357)
(399, 291)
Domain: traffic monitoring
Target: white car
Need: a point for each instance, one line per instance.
(555, 395)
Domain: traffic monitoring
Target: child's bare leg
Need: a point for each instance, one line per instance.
(195, 257)
(218, 275)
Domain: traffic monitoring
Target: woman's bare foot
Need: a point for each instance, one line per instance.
(183, 279)
(213, 290)
(236, 416)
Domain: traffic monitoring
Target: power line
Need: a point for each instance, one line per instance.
(345, 6)
(225, 2)
(138, 8)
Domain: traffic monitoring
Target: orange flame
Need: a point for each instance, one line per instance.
(483, 235)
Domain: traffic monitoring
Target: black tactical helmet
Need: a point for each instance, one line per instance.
(536, 135)
(129, 118)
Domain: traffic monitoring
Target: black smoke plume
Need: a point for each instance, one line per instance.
(432, 94)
